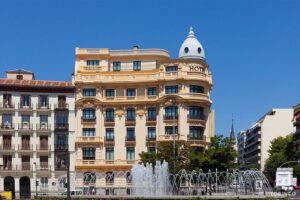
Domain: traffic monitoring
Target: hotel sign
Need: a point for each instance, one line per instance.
(196, 68)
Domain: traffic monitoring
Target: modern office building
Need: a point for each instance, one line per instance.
(128, 101)
(296, 121)
(36, 133)
(253, 143)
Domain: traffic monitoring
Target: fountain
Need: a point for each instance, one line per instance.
(149, 181)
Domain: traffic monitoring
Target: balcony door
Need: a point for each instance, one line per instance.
(43, 142)
(44, 162)
(7, 142)
(25, 142)
(25, 162)
(7, 162)
(7, 100)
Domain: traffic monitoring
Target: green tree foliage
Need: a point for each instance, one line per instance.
(219, 155)
(281, 151)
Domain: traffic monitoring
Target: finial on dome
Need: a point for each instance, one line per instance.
(191, 32)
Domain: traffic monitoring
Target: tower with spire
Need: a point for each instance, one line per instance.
(232, 135)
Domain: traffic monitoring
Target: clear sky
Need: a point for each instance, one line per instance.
(253, 46)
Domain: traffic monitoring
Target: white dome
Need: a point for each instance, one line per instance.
(191, 47)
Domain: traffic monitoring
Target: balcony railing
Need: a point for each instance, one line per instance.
(25, 126)
(130, 121)
(109, 141)
(130, 140)
(196, 117)
(98, 162)
(43, 127)
(43, 147)
(25, 107)
(61, 126)
(88, 120)
(7, 147)
(7, 105)
(89, 139)
(25, 166)
(61, 147)
(170, 117)
(170, 137)
(61, 106)
(151, 138)
(109, 121)
(43, 107)
(25, 147)
(7, 126)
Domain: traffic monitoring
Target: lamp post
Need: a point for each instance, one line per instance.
(174, 145)
(36, 182)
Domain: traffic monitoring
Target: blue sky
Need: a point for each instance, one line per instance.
(252, 46)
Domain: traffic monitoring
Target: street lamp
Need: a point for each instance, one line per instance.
(36, 182)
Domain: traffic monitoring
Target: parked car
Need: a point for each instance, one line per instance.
(73, 192)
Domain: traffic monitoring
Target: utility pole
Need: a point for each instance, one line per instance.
(68, 177)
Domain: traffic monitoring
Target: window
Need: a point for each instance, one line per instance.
(196, 112)
(89, 92)
(88, 153)
(171, 112)
(196, 89)
(109, 178)
(130, 153)
(130, 114)
(151, 149)
(92, 62)
(44, 182)
(44, 120)
(170, 130)
(130, 134)
(151, 91)
(88, 132)
(196, 132)
(116, 66)
(109, 134)
(110, 115)
(7, 121)
(137, 65)
(186, 50)
(7, 101)
(171, 68)
(43, 101)
(25, 121)
(109, 155)
(151, 133)
(25, 100)
(172, 89)
(151, 113)
(130, 92)
(89, 113)
(110, 92)
(20, 77)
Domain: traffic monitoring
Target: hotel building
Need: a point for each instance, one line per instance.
(36, 132)
(128, 101)
(296, 120)
(254, 143)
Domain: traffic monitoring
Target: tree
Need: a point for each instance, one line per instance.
(281, 151)
(219, 155)
(165, 152)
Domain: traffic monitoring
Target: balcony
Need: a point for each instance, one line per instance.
(130, 141)
(43, 149)
(43, 169)
(130, 121)
(61, 147)
(7, 149)
(197, 141)
(104, 164)
(197, 119)
(61, 126)
(25, 108)
(25, 127)
(25, 149)
(151, 140)
(109, 122)
(12, 170)
(7, 127)
(151, 121)
(43, 128)
(61, 106)
(40, 108)
(170, 137)
(109, 141)
(94, 140)
(7, 107)
(88, 120)
(170, 118)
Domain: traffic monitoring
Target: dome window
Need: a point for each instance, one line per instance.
(186, 49)
(199, 50)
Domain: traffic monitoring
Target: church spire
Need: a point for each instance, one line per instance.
(232, 135)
